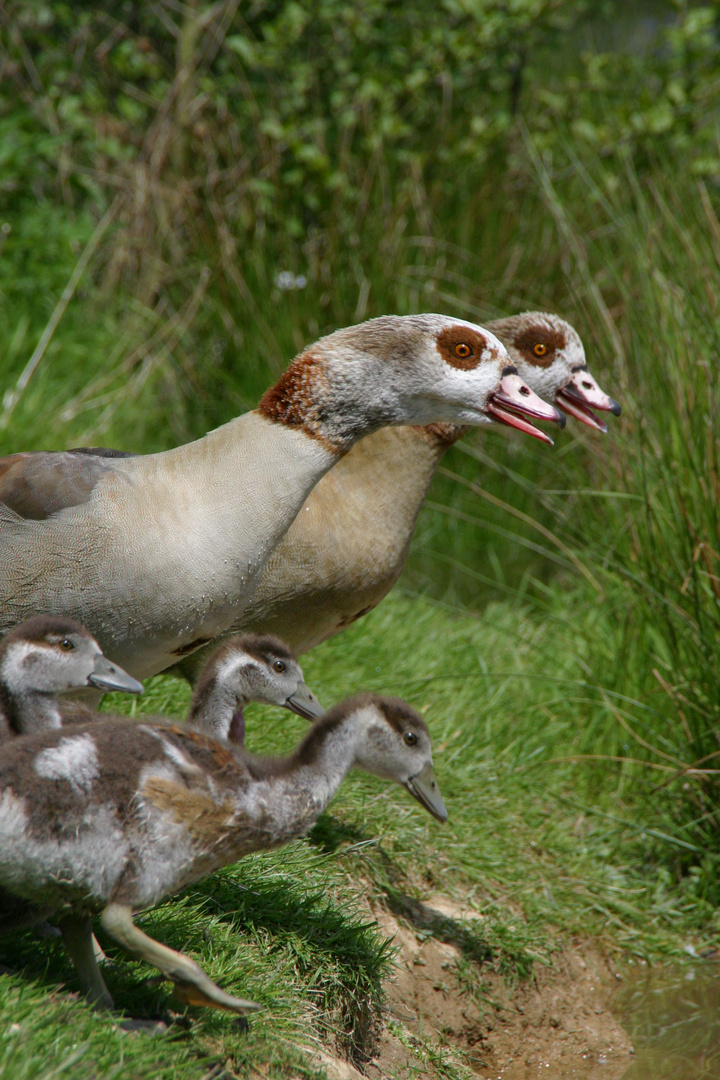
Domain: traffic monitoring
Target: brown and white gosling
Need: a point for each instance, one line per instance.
(111, 817)
(45, 656)
(248, 667)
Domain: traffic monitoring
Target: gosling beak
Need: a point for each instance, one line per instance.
(423, 787)
(581, 395)
(304, 703)
(108, 676)
(515, 399)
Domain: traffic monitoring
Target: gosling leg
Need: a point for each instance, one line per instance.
(98, 951)
(191, 985)
(78, 939)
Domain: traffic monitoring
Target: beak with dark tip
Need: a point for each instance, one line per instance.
(423, 787)
(304, 703)
(515, 400)
(108, 676)
(581, 395)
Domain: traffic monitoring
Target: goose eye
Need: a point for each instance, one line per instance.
(410, 738)
(279, 666)
(463, 350)
(540, 349)
(66, 645)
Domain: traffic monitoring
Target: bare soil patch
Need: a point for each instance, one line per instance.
(556, 1025)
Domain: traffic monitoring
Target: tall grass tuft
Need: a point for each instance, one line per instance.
(633, 520)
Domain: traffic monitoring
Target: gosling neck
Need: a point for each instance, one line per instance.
(214, 709)
(28, 712)
(318, 765)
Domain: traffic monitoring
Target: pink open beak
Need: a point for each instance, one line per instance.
(582, 392)
(515, 399)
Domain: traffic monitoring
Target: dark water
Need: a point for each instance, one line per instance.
(672, 1016)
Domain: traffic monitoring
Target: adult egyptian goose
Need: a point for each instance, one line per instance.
(113, 816)
(43, 657)
(248, 667)
(159, 554)
(348, 545)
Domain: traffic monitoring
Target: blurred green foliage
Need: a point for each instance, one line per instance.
(304, 104)
(650, 106)
(298, 113)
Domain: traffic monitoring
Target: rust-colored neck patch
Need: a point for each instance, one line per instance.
(461, 347)
(292, 397)
(295, 398)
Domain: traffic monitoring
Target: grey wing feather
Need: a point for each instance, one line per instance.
(37, 484)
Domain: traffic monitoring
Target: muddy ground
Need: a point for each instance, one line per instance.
(556, 1025)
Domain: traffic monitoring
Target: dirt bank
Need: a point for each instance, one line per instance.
(556, 1025)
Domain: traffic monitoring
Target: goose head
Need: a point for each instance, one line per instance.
(248, 667)
(403, 369)
(549, 356)
(50, 654)
(392, 741)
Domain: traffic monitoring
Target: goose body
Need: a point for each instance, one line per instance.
(159, 554)
(111, 817)
(348, 544)
(45, 656)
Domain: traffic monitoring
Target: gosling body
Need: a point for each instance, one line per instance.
(112, 817)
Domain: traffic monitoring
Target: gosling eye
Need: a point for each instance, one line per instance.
(540, 349)
(463, 350)
(279, 666)
(66, 645)
(410, 738)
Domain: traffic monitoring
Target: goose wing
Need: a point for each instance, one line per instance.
(36, 484)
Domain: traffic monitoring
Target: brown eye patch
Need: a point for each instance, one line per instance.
(539, 344)
(461, 347)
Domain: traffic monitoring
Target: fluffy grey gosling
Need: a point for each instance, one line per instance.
(111, 817)
(249, 667)
(159, 554)
(45, 656)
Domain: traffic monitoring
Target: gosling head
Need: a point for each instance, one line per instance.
(550, 357)
(248, 667)
(393, 742)
(49, 654)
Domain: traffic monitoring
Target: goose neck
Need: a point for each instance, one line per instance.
(335, 400)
